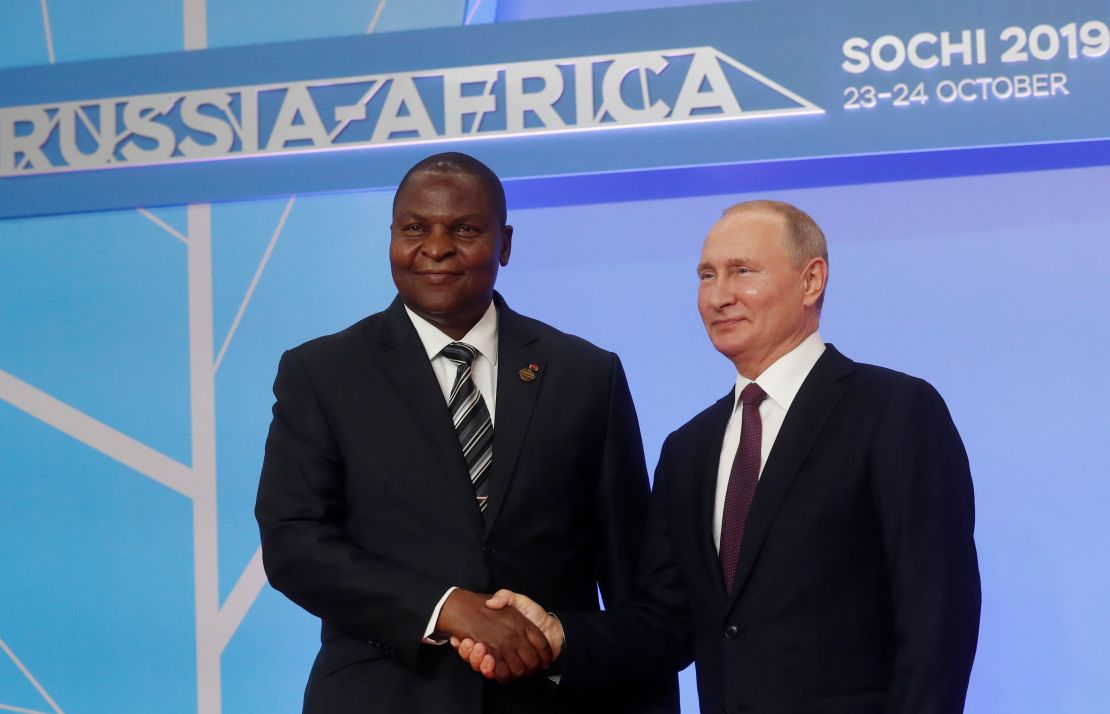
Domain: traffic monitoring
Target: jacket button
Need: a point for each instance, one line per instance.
(732, 631)
(488, 550)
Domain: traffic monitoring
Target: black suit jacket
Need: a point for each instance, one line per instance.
(857, 585)
(367, 514)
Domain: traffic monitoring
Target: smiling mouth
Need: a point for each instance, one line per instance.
(436, 276)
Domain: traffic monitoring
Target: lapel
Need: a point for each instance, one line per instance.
(516, 349)
(710, 440)
(819, 393)
(401, 356)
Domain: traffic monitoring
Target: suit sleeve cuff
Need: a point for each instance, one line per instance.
(430, 635)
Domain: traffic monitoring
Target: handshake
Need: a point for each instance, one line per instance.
(505, 637)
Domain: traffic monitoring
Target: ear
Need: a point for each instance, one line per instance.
(506, 245)
(815, 275)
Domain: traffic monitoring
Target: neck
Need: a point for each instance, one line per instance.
(455, 326)
(752, 366)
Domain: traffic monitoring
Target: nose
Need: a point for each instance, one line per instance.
(438, 245)
(720, 294)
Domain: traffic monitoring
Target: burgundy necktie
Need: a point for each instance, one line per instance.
(742, 481)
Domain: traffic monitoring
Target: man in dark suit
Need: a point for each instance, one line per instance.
(440, 449)
(816, 522)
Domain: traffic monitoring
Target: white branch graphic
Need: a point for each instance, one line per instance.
(215, 624)
(377, 16)
(473, 11)
(254, 281)
(162, 224)
(202, 380)
(34, 683)
(242, 597)
(47, 31)
(95, 434)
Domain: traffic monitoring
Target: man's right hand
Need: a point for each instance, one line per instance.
(482, 659)
(516, 646)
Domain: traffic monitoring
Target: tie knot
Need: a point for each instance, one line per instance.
(459, 352)
(752, 395)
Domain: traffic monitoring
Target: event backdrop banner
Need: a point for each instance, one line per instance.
(729, 83)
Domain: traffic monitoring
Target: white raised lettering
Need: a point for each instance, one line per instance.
(138, 117)
(194, 119)
(705, 69)
(914, 50)
(104, 134)
(613, 103)
(456, 105)
(297, 103)
(28, 144)
(403, 94)
(856, 60)
(542, 102)
(949, 49)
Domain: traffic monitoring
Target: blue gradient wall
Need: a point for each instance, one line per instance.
(988, 280)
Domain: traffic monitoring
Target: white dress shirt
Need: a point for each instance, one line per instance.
(781, 381)
(482, 337)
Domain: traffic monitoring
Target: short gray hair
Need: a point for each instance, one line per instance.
(804, 238)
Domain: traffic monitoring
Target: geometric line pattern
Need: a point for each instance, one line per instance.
(34, 683)
(47, 31)
(215, 624)
(254, 280)
(72, 422)
(377, 16)
(469, 15)
(162, 224)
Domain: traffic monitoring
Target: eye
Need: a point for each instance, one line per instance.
(412, 228)
(467, 230)
(705, 275)
(741, 270)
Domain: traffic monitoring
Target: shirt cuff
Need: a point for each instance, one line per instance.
(430, 629)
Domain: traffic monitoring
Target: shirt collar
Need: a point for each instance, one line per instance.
(482, 337)
(782, 380)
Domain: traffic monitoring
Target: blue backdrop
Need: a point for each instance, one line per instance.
(139, 346)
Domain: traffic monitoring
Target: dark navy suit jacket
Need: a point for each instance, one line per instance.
(367, 514)
(857, 588)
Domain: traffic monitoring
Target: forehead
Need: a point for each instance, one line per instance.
(444, 193)
(747, 233)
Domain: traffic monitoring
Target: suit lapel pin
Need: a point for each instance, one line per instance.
(528, 374)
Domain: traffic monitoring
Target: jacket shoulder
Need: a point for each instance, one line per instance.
(327, 348)
(885, 380)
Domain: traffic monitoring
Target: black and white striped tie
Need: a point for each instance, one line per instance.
(472, 420)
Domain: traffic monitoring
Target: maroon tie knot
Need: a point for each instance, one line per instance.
(752, 395)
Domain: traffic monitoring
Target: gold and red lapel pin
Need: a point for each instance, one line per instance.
(528, 374)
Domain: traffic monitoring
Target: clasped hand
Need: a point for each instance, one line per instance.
(494, 660)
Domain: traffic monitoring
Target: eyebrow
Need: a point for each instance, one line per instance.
(728, 263)
(475, 218)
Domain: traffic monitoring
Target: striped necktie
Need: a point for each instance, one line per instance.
(471, 419)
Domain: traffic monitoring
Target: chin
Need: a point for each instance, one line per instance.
(728, 349)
